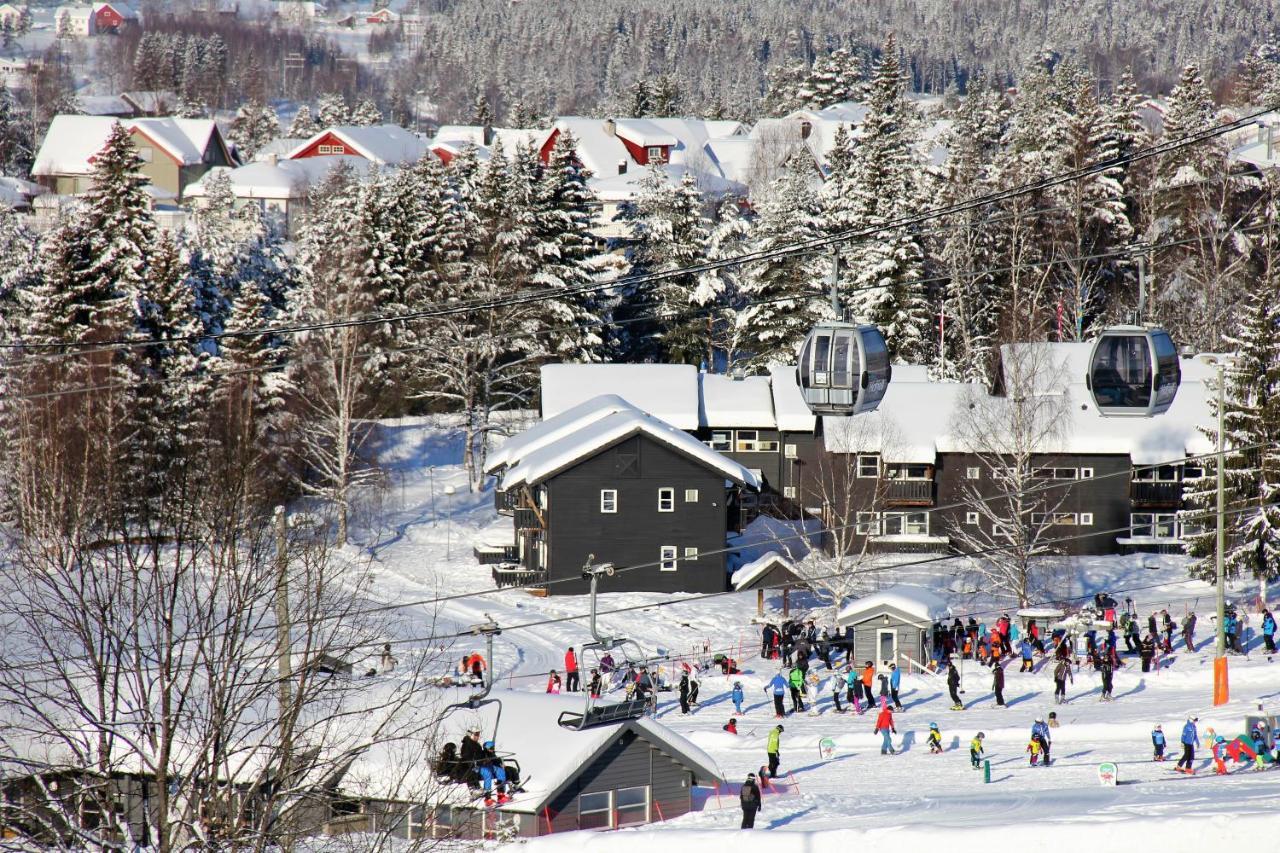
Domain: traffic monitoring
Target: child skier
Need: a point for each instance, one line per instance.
(975, 750)
(1033, 748)
(732, 726)
(935, 739)
(1157, 743)
(1040, 733)
(837, 686)
(736, 696)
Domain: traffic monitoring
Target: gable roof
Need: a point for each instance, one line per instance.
(572, 446)
(283, 178)
(643, 132)
(555, 428)
(724, 401)
(384, 144)
(914, 601)
(666, 391)
(746, 576)
(72, 141)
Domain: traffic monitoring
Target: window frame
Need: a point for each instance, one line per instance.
(667, 496)
(619, 808)
(604, 502)
(901, 472)
(654, 154)
(868, 527)
(1053, 472)
(972, 472)
(691, 496)
(690, 554)
(1153, 525)
(607, 811)
(972, 518)
(790, 492)
(746, 445)
(668, 554)
(790, 451)
(903, 518)
(721, 441)
(862, 459)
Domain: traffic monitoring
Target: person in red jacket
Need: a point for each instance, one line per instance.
(885, 727)
(571, 683)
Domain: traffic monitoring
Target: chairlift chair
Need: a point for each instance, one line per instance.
(1133, 372)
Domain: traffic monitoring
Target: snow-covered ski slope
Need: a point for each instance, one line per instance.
(916, 798)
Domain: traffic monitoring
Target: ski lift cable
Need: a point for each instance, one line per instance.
(800, 248)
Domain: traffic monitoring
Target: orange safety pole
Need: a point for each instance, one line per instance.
(546, 812)
(1221, 689)
(793, 781)
(658, 806)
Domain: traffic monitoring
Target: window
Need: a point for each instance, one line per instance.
(908, 472)
(1162, 525)
(789, 451)
(972, 474)
(1157, 474)
(417, 822)
(542, 553)
(906, 523)
(656, 154)
(722, 441)
(667, 558)
(325, 149)
(1054, 473)
(868, 465)
(868, 524)
(1086, 519)
(789, 492)
(970, 518)
(609, 500)
(691, 496)
(145, 153)
(595, 811)
(666, 500)
(1060, 518)
(1086, 473)
(691, 553)
(1192, 471)
(747, 439)
(631, 805)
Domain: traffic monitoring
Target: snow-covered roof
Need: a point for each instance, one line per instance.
(554, 428)
(515, 138)
(643, 132)
(104, 105)
(616, 187)
(72, 141)
(789, 408)
(905, 428)
(666, 391)
(278, 147)
(17, 193)
(473, 133)
(725, 401)
(549, 754)
(555, 456)
(758, 567)
(384, 144)
(915, 601)
(732, 156)
(283, 179)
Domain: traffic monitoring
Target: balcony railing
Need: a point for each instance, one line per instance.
(909, 492)
(492, 555)
(1148, 493)
(508, 574)
(506, 502)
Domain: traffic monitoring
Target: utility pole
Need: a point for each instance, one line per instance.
(1222, 536)
(283, 652)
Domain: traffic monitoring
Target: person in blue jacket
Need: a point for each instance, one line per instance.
(1024, 648)
(1040, 734)
(895, 681)
(1189, 739)
(778, 685)
(736, 696)
(1269, 631)
(1157, 743)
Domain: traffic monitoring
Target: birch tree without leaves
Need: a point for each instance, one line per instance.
(1010, 438)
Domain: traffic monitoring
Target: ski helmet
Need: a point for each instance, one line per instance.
(933, 726)
(981, 736)
(1039, 719)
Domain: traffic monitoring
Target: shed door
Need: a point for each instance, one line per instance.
(886, 647)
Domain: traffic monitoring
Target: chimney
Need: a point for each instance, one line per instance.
(611, 127)
(622, 166)
(273, 158)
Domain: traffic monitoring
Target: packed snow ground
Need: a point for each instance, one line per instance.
(421, 537)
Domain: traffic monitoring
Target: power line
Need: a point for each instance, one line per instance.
(801, 248)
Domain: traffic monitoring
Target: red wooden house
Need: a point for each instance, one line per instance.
(112, 17)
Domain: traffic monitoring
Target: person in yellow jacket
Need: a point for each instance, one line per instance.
(975, 750)
(774, 747)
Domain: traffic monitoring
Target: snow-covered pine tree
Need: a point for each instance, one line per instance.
(784, 82)
(331, 110)
(481, 112)
(834, 78)
(366, 113)
(255, 125)
(1094, 220)
(884, 178)
(1252, 422)
(648, 221)
(565, 215)
(685, 337)
(720, 291)
(303, 125)
(786, 294)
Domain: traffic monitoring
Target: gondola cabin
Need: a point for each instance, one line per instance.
(843, 369)
(1133, 372)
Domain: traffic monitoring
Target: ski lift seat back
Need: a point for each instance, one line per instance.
(843, 369)
(1133, 372)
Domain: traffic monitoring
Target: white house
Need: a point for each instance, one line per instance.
(380, 144)
(75, 21)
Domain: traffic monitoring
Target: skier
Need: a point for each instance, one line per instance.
(997, 683)
(1269, 630)
(778, 686)
(1053, 719)
(694, 687)
(1106, 671)
(1148, 650)
(684, 693)
(1040, 731)
(1033, 747)
(553, 682)
(750, 797)
(868, 674)
(1218, 749)
(853, 687)
(1189, 739)
(1189, 631)
(975, 751)
(1025, 649)
(935, 739)
(732, 726)
(1061, 674)
(953, 685)
(1157, 743)
(594, 684)
(736, 696)
(571, 683)
(884, 727)
(895, 682)
(884, 688)
(1132, 637)
(796, 682)
(837, 685)
(1166, 622)
(773, 748)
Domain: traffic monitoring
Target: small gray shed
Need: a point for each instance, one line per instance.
(770, 571)
(892, 625)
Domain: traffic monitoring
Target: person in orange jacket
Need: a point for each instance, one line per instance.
(868, 676)
(571, 683)
(885, 727)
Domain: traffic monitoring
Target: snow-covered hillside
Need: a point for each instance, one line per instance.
(421, 537)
